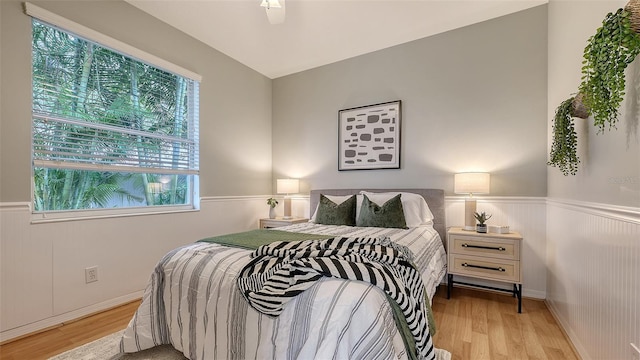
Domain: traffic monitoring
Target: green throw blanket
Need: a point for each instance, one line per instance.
(253, 239)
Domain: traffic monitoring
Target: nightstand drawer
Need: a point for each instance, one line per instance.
(486, 268)
(494, 248)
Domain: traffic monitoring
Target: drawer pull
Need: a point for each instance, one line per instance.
(499, 248)
(484, 267)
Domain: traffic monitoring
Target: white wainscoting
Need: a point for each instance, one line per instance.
(593, 276)
(42, 265)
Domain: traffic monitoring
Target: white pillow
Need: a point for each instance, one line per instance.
(416, 210)
(336, 199)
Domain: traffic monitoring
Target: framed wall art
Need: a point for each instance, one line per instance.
(369, 137)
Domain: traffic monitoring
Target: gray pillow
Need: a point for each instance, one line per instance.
(330, 213)
(389, 215)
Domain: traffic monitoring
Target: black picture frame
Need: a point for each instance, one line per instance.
(369, 136)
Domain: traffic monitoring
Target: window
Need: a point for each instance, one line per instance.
(109, 131)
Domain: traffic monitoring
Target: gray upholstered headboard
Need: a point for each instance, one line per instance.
(434, 198)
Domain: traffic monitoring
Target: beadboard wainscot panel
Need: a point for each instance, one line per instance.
(300, 206)
(26, 282)
(526, 215)
(593, 278)
(42, 264)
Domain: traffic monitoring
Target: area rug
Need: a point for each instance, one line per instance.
(108, 348)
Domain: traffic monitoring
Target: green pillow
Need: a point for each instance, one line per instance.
(389, 215)
(330, 213)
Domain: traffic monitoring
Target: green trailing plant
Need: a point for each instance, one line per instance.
(482, 217)
(272, 202)
(564, 147)
(606, 56)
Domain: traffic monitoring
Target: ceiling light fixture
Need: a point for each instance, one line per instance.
(271, 4)
(275, 10)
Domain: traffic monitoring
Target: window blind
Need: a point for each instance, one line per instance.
(95, 108)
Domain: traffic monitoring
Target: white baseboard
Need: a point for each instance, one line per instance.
(53, 321)
(571, 336)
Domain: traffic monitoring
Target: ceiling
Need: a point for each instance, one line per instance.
(318, 32)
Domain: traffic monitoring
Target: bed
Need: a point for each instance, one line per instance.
(194, 300)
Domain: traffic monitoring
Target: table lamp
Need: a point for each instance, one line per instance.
(470, 183)
(287, 186)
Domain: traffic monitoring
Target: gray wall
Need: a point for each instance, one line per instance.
(609, 171)
(474, 99)
(235, 101)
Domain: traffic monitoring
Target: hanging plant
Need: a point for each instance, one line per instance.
(606, 56)
(633, 7)
(564, 148)
(578, 108)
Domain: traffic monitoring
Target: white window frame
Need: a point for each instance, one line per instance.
(135, 53)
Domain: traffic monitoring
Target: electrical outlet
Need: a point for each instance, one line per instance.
(635, 351)
(91, 274)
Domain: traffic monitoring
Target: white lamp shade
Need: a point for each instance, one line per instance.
(471, 183)
(287, 186)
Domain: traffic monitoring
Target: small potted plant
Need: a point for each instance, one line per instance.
(481, 227)
(272, 207)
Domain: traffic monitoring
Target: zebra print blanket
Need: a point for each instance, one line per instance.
(282, 270)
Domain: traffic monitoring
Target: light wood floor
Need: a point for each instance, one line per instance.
(478, 325)
(471, 325)
(70, 335)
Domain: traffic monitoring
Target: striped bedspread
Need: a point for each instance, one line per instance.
(192, 301)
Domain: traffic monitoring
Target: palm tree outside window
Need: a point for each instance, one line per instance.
(108, 130)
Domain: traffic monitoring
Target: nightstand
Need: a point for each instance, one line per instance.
(488, 256)
(278, 221)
